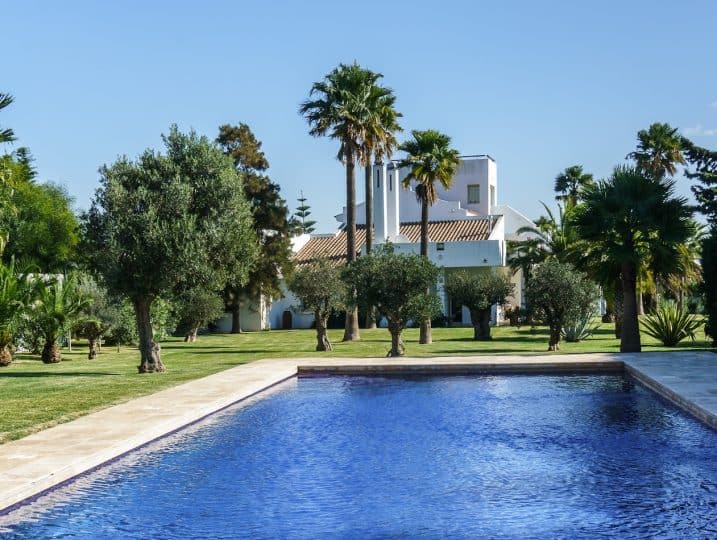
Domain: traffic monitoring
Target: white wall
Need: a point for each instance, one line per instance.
(513, 220)
(460, 254)
(300, 318)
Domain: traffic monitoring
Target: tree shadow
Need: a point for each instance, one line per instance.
(26, 374)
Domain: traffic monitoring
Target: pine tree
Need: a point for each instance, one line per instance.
(300, 224)
(271, 221)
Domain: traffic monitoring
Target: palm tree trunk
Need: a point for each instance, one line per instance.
(640, 304)
(371, 313)
(630, 335)
(369, 209)
(51, 352)
(351, 332)
(149, 350)
(619, 296)
(5, 355)
(425, 336)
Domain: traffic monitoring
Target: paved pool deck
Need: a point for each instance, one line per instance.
(39, 462)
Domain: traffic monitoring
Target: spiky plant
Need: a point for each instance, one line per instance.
(670, 324)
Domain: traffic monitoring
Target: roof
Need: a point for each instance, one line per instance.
(333, 247)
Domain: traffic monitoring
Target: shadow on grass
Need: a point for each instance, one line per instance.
(57, 374)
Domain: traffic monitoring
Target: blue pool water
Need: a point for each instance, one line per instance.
(456, 457)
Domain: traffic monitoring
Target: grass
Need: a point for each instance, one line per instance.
(35, 396)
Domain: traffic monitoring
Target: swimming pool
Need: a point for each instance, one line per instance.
(357, 457)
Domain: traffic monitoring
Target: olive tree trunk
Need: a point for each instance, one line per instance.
(397, 348)
(630, 335)
(51, 352)
(351, 332)
(480, 319)
(149, 350)
(322, 339)
(554, 340)
(92, 354)
(236, 317)
(425, 335)
(5, 355)
(191, 335)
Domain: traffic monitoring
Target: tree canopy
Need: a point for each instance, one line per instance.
(634, 219)
(479, 292)
(321, 290)
(398, 285)
(168, 222)
(270, 217)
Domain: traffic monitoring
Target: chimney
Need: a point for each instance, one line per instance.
(386, 209)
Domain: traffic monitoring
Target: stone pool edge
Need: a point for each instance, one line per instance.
(34, 465)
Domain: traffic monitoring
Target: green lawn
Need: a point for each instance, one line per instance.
(36, 396)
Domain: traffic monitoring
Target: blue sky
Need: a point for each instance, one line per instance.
(538, 87)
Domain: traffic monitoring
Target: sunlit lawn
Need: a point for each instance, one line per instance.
(35, 396)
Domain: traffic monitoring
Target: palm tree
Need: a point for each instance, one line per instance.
(6, 135)
(430, 159)
(15, 293)
(630, 219)
(556, 237)
(337, 107)
(570, 183)
(59, 302)
(378, 143)
(659, 148)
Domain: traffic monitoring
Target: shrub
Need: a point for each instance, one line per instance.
(671, 324)
(557, 293)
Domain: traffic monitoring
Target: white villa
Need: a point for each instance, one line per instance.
(467, 229)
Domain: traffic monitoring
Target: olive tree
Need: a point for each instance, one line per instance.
(321, 289)
(197, 307)
(98, 315)
(556, 292)
(479, 292)
(164, 223)
(398, 285)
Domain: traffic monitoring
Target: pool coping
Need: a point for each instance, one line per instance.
(43, 461)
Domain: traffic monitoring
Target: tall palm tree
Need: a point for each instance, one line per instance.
(659, 149)
(379, 142)
(337, 107)
(430, 159)
(6, 135)
(570, 183)
(630, 219)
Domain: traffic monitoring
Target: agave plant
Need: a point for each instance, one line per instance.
(670, 324)
(580, 327)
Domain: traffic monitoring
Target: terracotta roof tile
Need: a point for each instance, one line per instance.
(333, 247)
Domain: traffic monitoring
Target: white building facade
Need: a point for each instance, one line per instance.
(467, 230)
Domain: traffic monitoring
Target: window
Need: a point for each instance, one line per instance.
(474, 194)
(378, 180)
(390, 182)
(492, 195)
